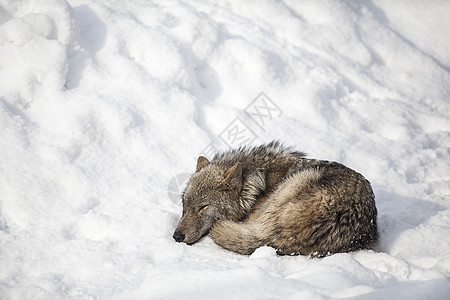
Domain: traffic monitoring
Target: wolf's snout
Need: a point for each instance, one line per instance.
(178, 236)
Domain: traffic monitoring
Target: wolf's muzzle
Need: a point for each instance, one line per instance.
(178, 236)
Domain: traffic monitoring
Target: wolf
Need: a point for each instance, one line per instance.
(270, 195)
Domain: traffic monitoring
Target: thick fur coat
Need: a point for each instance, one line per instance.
(271, 195)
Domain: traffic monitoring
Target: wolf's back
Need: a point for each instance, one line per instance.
(259, 156)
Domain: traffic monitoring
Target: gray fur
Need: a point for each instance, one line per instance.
(271, 195)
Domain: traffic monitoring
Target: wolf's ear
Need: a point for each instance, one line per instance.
(233, 176)
(201, 163)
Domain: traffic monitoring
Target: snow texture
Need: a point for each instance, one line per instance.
(105, 105)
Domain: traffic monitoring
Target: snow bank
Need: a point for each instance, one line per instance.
(33, 40)
(104, 103)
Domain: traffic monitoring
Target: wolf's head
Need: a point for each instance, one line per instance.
(211, 194)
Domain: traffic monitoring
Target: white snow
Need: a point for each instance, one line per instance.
(105, 105)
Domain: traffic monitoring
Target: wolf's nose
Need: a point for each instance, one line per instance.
(178, 236)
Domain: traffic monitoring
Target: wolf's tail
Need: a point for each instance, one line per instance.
(240, 237)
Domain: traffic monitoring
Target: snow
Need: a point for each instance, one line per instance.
(105, 105)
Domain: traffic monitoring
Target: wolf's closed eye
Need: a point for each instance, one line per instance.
(203, 207)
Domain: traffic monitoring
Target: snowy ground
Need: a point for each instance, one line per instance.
(104, 107)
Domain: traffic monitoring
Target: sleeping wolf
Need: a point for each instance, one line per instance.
(271, 195)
